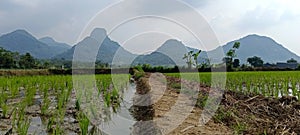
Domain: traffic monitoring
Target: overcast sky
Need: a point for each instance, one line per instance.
(64, 20)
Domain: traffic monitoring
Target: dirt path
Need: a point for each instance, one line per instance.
(174, 113)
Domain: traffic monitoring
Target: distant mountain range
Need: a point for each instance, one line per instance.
(21, 41)
(170, 53)
(266, 48)
(57, 47)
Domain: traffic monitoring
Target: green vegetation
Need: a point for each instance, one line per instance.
(138, 72)
(230, 55)
(15, 60)
(53, 95)
(192, 58)
(265, 83)
(255, 61)
(83, 123)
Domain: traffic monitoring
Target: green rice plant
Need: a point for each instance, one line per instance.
(61, 107)
(83, 123)
(51, 123)
(30, 92)
(4, 110)
(45, 105)
(3, 103)
(294, 87)
(77, 104)
(264, 83)
(58, 130)
(22, 121)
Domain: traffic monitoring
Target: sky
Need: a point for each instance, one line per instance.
(68, 20)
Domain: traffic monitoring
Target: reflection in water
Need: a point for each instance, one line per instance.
(130, 118)
(121, 122)
(37, 127)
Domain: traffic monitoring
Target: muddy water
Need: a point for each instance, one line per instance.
(122, 122)
(37, 127)
(131, 119)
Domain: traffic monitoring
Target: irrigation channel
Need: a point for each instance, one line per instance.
(127, 119)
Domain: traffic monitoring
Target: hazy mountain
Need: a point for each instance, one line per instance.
(21, 41)
(170, 53)
(108, 50)
(58, 47)
(261, 46)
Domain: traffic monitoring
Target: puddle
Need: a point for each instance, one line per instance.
(37, 127)
(121, 123)
(131, 119)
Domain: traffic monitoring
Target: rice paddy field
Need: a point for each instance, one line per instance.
(275, 84)
(50, 104)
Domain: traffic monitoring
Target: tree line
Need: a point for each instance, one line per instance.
(10, 60)
(15, 60)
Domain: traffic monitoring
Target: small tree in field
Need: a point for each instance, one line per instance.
(188, 58)
(196, 55)
(192, 58)
(231, 54)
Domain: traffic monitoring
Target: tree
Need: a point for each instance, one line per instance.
(231, 54)
(196, 55)
(188, 58)
(236, 63)
(6, 59)
(255, 61)
(27, 61)
(192, 58)
(292, 60)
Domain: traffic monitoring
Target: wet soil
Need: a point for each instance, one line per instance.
(39, 122)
